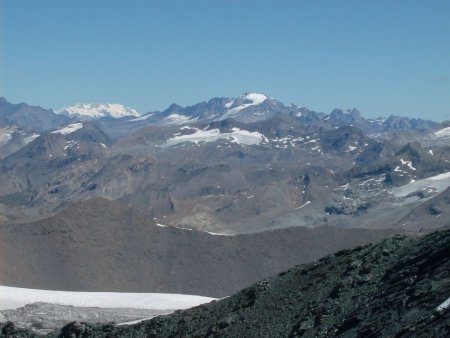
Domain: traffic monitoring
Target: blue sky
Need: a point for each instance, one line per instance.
(382, 57)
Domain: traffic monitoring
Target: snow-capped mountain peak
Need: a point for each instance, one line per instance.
(255, 98)
(98, 110)
(244, 101)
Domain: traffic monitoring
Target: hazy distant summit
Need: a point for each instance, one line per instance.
(91, 111)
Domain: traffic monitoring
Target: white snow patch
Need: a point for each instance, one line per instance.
(370, 179)
(444, 306)
(246, 137)
(177, 119)
(71, 144)
(5, 135)
(376, 135)
(235, 136)
(132, 322)
(303, 205)
(408, 164)
(439, 183)
(30, 138)
(443, 132)
(256, 98)
(69, 129)
(343, 187)
(253, 98)
(229, 104)
(216, 233)
(439, 177)
(142, 118)
(13, 298)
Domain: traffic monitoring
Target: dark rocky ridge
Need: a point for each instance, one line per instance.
(392, 288)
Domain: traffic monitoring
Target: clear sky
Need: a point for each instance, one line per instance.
(382, 57)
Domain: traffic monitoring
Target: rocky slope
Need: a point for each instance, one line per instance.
(398, 287)
(100, 245)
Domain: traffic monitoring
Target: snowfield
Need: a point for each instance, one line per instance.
(444, 306)
(253, 99)
(443, 133)
(236, 136)
(142, 118)
(5, 134)
(178, 119)
(28, 139)
(13, 298)
(439, 182)
(98, 110)
(69, 129)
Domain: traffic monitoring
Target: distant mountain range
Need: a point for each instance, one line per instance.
(228, 165)
(248, 108)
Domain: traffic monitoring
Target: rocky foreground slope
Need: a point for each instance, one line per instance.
(398, 287)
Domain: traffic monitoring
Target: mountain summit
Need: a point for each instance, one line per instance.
(92, 111)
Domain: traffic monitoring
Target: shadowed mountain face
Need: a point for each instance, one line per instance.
(31, 118)
(397, 287)
(100, 245)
